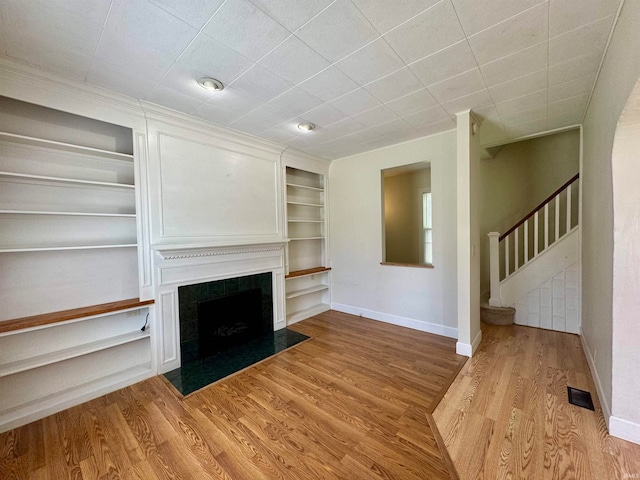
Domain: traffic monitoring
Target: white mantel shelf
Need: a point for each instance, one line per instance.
(176, 252)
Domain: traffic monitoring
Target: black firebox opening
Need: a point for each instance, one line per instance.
(230, 320)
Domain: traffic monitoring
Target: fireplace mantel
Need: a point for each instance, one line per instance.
(179, 265)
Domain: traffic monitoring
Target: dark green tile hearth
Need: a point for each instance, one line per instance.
(199, 373)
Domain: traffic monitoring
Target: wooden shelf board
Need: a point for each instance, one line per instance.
(72, 214)
(297, 185)
(57, 249)
(75, 313)
(43, 178)
(317, 205)
(305, 291)
(307, 312)
(73, 352)
(308, 271)
(69, 147)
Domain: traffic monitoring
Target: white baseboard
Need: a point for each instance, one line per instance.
(397, 320)
(606, 410)
(469, 349)
(624, 429)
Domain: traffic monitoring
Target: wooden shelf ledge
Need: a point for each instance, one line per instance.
(64, 315)
(308, 271)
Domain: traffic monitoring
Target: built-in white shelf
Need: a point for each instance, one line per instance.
(62, 180)
(307, 312)
(304, 291)
(305, 187)
(306, 238)
(304, 204)
(77, 214)
(67, 147)
(299, 220)
(75, 247)
(68, 353)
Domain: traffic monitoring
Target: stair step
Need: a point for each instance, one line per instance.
(497, 315)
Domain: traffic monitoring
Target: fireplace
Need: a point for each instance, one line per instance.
(218, 315)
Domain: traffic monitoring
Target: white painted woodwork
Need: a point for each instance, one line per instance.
(494, 278)
(177, 266)
(536, 225)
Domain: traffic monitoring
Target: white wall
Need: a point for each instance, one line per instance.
(619, 74)
(422, 298)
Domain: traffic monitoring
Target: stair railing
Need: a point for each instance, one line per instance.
(537, 231)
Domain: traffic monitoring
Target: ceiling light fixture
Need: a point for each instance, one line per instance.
(211, 84)
(306, 127)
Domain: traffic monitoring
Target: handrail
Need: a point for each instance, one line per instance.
(547, 200)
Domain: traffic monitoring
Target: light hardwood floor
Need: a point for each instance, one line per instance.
(354, 402)
(507, 416)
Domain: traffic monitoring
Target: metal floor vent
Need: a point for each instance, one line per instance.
(581, 398)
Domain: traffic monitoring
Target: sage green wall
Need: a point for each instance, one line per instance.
(518, 179)
(402, 215)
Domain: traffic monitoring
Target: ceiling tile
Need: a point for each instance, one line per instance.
(565, 119)
(458, 86)
(280, 133)
(338, 31)
(395, 85)
(528, 128)
(393, 127)
(371, 62)
(253, 37)
(430, 115)
(476, 100)
(214, 59)
(414, 102)
(590, 39)
(375, 116)
(33, 24)
(515, 65)
(573, 103)
(429, 32)
(194, 12)
(294, 61)
(569, 89)
(477, 17)
(436, 127)
(183, 78)
(384, 18)
(172, 99)
(446, 63)
(329, 84)
(524, 116)
(522, 103)
(296, 101)
(267, 115)
(520, 86)
(95, 11)
(226, 106)
(324, 115)
(340, 129)
(144, 38)
(260, 83)
(356, 101)
(566, 15)
(112, 78)
(575, 68)
(292, 13)
(512, 35)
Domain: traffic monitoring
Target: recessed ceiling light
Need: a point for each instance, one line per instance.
(306, 127)
(211, 84)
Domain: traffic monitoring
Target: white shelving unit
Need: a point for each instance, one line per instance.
(307, 280)
(70, 326)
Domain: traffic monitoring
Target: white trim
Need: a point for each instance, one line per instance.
(624, 429)
(468, 350)
(606, 410)
(397, 320)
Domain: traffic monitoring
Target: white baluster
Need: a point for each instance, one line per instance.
(546, 226)
(516, 247)
(557, 217)
(494, 269)
(535, 234)
(568, 208)
(506, 256)
(526, 241)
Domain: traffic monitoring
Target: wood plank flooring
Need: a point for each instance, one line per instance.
(507, 416)
(354, 402)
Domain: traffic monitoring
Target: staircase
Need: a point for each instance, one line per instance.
(534, 265)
